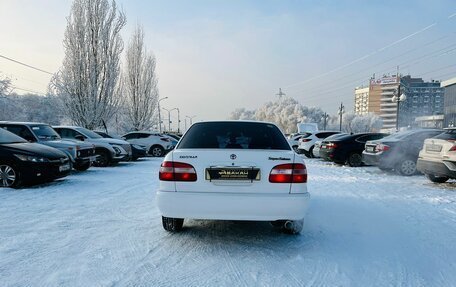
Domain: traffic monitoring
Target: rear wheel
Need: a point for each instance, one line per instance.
(9, 176)
(437, 179)
(406, 167)
(157, 151)
(355, 160)
(172, 224)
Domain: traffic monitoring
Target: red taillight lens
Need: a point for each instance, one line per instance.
(288, 173)
(453, 148)
(165, 139)
(382, 147)
(306, 140)
(177, 171)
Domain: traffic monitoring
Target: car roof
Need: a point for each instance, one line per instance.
(236, 121)
(23, 123)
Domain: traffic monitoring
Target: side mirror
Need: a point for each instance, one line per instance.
(79, 137)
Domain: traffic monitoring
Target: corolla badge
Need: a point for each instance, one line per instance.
(233, 156)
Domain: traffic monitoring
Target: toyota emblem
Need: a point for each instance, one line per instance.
(233, 156)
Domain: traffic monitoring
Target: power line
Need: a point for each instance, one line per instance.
(26, 65)
(369, 55)
(27, 90)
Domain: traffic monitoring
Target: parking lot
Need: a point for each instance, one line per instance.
(101, 228)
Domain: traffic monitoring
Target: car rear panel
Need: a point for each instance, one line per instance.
(436, 149)
(206, 161)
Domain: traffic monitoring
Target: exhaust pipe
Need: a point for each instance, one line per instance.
(289, 224)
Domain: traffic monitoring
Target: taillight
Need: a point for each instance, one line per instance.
(382, 147)
(288, 173)
(177, 171)
(306, 140)
(453, 148)
(331, 145)
(165, 139)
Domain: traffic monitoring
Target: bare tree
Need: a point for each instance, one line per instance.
(140, 83)
(5, 86)
(88, 81)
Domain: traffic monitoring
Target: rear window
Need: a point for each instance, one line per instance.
(447, 135)
(234, 135)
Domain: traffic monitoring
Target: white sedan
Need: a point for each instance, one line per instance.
(233, 170)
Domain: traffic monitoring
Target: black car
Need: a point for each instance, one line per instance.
(347, 149)
(398, 151)
(22, 162)
(137, 151)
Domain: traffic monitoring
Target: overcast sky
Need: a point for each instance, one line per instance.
(214, 56)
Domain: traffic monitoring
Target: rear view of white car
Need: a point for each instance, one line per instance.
(307, 143)
(437, 159)
(233, 170)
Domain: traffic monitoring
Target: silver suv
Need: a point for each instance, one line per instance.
(81, 154)
(108, 151)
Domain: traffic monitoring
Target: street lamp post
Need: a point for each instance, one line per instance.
(396, 98)
(341, 112)
(191, 122)
(325, 119)
(178, 118)
(159, 114)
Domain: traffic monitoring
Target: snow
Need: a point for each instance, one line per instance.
(101, 228)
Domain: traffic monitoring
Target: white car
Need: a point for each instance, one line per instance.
(437, 159)
(306, 144)
(233, 170)
(156, 144)
(293, 139)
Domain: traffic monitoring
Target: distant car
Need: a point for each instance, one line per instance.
(174, 136)
(156, 144)
(22, 162)
(348, 148)
(233, 170)
(137, 151)
(398, 151)
(81, 154)
(108, 151)
(437, 159)
(293, 139)
(307, 143)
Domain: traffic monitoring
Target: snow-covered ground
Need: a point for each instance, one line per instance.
(101, 228)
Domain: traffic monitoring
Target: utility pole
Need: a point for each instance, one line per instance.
(159, 114)
(341, 112)
(325, 118)
(178, 118)
(169, 119)
(280, 93)
(191, 122)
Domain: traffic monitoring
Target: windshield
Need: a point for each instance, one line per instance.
(89, 133)
(44, 132)
(8, 137)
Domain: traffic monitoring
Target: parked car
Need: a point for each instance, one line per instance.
(398, 151)
(108, 151)
(316, 149)
(348, 148)
(307, 143)
(293, 139)
(22, 162)
(80, 154)
(437, 159)
(233, 170)
(156, 144)
(174, 136)
(137, 151)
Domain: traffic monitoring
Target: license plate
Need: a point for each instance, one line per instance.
(370, 149)
(64, 167)
(217, 173)
(433, 147)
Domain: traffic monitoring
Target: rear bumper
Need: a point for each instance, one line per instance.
(438, 168)
(232, 206)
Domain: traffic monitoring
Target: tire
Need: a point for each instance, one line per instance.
(82, 167)
(172, 224)
(437, 179)
(355, 160)
(156, 151)
(134, 158)
(306, 153)
(311, 152)
(103, 159)
(293, 226)
(406, 167)
(9, 176)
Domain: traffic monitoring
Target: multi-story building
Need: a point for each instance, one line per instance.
(449, 109)
(383, 90)
(423, 99)
(367, 100)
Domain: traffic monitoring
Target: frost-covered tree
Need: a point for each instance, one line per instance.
(286, 112)
(88, 81)
(5, 86)
(242, 114)
(352, 123)
(140, 83)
